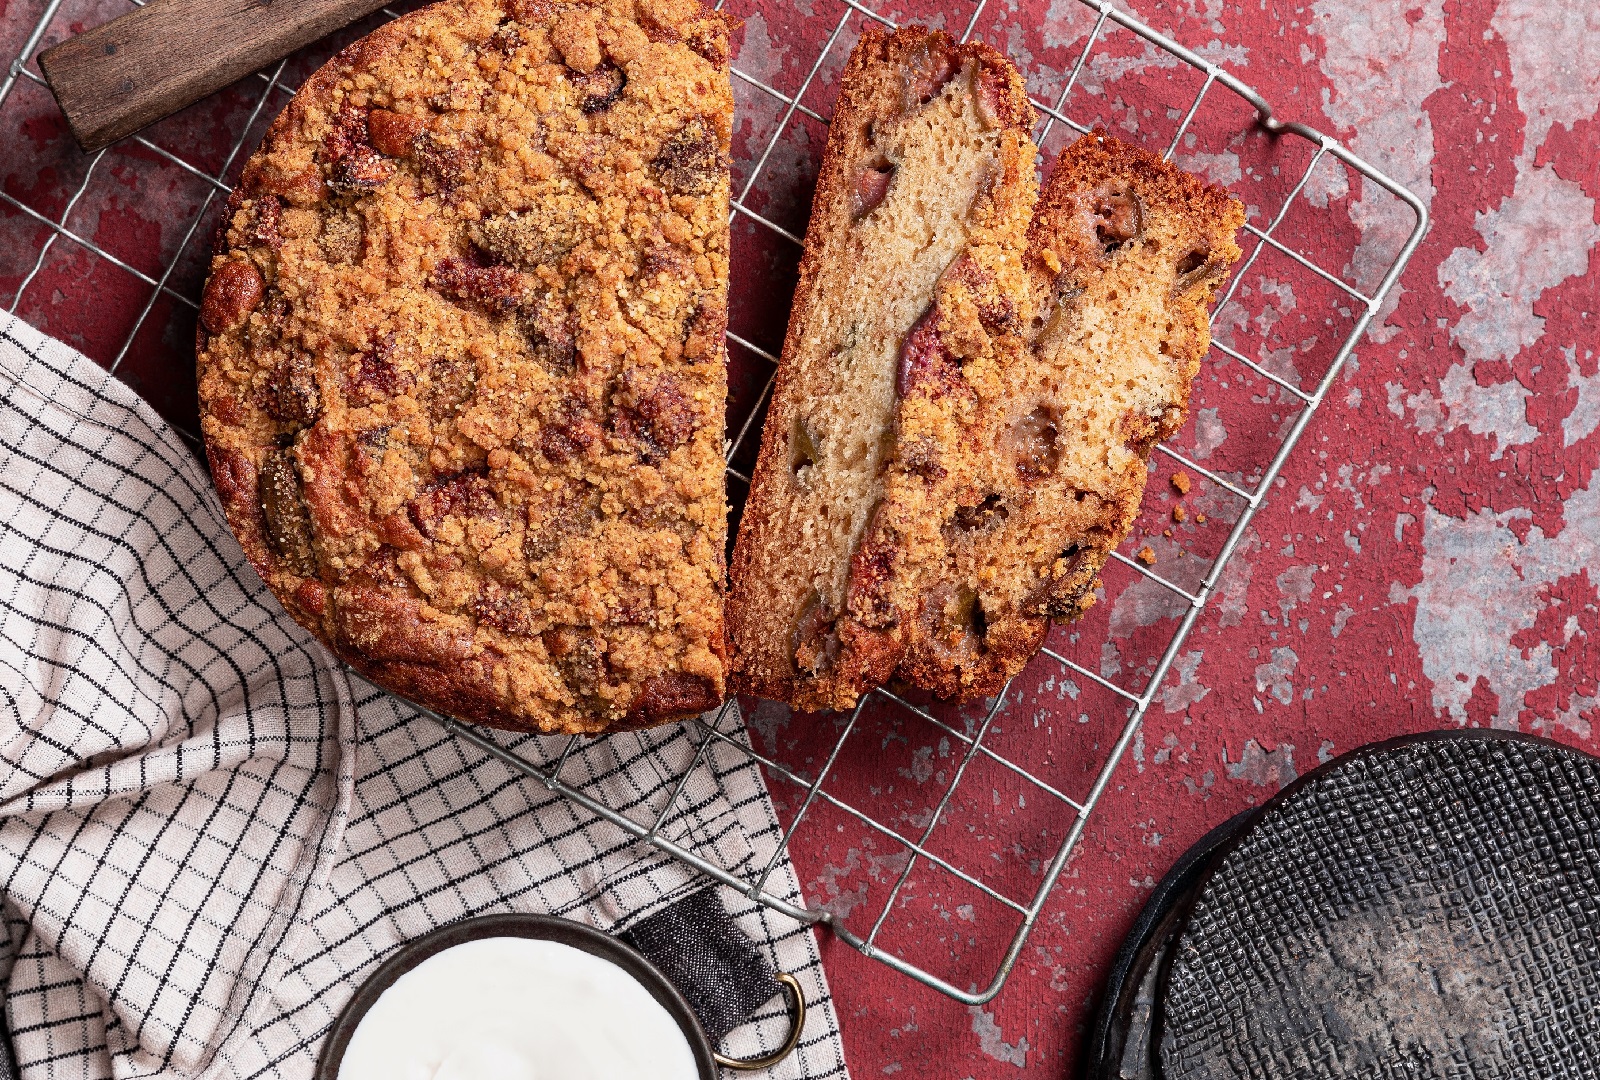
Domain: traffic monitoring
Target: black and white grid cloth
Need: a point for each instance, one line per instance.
(209, 834)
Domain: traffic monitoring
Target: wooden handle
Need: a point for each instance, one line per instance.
(147, 64)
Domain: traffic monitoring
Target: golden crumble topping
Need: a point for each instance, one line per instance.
(461, 359)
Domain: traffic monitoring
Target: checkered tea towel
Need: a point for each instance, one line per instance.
(210, 834)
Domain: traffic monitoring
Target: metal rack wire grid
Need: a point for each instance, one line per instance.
(1283, 330)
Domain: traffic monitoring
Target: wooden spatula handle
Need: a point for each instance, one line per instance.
(151, 62)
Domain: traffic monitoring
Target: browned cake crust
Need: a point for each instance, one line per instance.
(925, 523)
(910, 281)
(461, 359)
(1125, 254)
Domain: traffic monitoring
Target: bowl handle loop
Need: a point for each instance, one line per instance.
(797, 1012)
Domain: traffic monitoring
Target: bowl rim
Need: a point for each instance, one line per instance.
(512, 924)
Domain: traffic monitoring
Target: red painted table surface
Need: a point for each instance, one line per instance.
(1428, 556)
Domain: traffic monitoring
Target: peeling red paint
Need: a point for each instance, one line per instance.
(1426, 560)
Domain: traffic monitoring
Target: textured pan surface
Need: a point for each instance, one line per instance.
(1423, 908)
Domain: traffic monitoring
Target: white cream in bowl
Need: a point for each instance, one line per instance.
(513, 1008)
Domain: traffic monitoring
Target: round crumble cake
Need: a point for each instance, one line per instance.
(462, 366)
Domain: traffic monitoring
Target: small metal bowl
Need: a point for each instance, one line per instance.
(565, 932)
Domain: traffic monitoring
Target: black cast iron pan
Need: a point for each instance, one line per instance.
(1423, 907)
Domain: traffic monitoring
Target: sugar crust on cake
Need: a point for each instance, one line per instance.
(462, 366)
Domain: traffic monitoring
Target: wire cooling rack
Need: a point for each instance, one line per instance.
(1327, 238)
